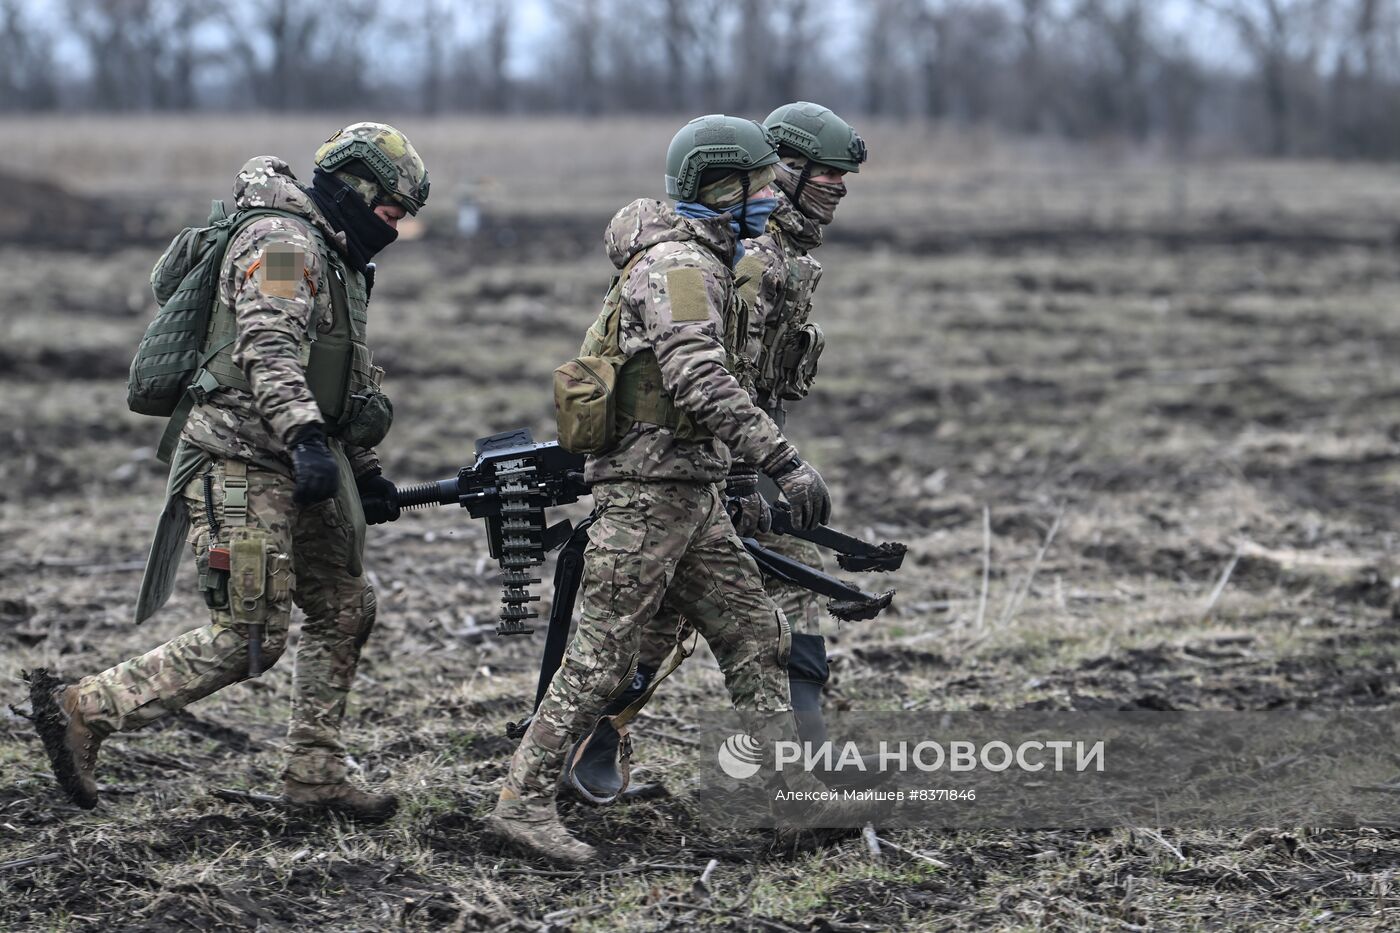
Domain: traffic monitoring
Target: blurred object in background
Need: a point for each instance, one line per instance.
(468, 212)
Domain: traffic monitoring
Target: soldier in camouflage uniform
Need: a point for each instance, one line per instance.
(266, 482)
(661, 534)
(778, 275)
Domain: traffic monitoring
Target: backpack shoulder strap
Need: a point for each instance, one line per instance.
(612, 337)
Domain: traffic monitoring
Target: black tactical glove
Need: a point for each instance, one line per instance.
(378, 496)
(748, 510)
(803, 488)
(317, 476)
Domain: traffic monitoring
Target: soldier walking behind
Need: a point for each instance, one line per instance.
(273, 448)
(672, 329)
(779, 275)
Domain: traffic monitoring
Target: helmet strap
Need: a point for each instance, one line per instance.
(744, 206)
(802, 180)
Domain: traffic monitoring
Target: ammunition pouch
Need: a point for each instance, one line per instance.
(600, 394)
(795, 366)
(585, 404)
(368, 415)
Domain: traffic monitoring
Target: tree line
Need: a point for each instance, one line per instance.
(1274, 77)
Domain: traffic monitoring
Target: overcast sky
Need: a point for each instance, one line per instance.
(534, 31)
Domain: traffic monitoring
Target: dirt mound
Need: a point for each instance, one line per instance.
(39, 212)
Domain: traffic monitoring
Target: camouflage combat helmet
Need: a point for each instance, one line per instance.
(818, 134)
(714, 141)
(377, 152)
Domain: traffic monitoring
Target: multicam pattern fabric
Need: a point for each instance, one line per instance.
(804, 231)
(727, 192)
(801, 608)
(308, 553)
(685, 331)
(274, 327)
(818, 200)
(784, 277)
(409, 176)
(655, 544)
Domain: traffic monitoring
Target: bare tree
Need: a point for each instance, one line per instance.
(1284, 38)
(27, 77)
(1120, 55)
(438, 21)
(796, 42)
(580, 29)
(496, 54)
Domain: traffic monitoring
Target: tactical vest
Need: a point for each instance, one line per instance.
(638, 392)
(790, 344)
(339, 366)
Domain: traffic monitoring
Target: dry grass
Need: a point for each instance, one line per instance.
(1183, 388)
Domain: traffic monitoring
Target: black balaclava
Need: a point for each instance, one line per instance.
(365, 233)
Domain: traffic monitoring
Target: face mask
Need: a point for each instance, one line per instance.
(819, 200)
(816, 200)
(365, 233)
(752, 216)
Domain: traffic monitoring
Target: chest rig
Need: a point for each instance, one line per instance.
(790, 344)
(602, 393)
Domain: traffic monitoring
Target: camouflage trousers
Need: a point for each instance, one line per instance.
(655, 544)
(801, 607)
(306, 552)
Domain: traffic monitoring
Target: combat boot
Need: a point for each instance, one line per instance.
(593, 768)
(342, 797)
(807, 676)
(533, 825)
(69, 741)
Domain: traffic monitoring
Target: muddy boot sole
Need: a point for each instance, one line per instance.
(52, 725)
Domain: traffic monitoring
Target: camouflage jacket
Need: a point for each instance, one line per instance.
(780, 277)
(274, 326)
(682, 320)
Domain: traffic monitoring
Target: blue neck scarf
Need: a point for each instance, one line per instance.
(756, 213)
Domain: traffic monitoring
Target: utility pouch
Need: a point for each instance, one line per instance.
(585, 404)
(367, 419)
(247, 581)
(797, 361)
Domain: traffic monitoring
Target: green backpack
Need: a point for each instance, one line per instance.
(185, 282)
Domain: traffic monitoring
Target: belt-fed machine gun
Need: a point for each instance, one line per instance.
(514, 480)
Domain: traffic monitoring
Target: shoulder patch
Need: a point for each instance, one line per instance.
(280, 269)
(686, 289)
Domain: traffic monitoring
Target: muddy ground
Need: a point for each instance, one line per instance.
(1184, 388)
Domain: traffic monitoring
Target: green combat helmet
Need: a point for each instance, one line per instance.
(378, 153)
(818, 134)
(715, 141)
